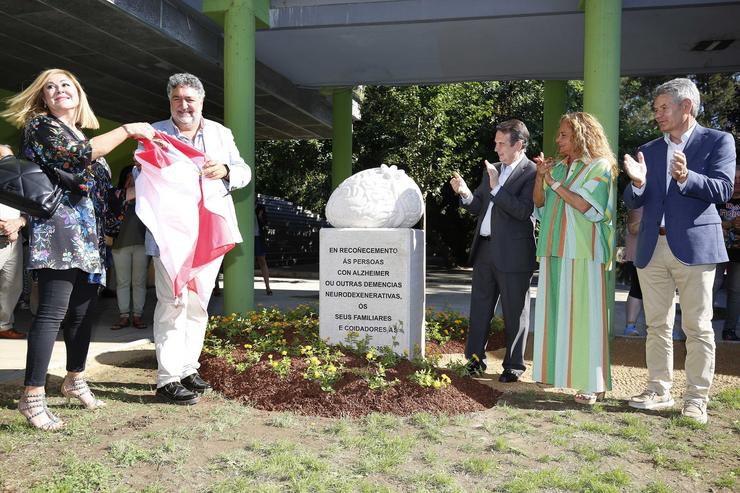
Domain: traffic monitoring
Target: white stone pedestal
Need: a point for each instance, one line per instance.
(372, 283)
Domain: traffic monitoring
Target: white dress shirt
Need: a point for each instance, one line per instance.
(672, 148)
(506, 170)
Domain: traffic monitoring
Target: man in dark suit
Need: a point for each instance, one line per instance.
(678, 179)
(503, 250)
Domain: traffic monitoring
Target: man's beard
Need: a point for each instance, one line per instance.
(186, 120)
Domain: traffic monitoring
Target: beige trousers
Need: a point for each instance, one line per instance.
(179, 329)
(659, 280)
(11, 279)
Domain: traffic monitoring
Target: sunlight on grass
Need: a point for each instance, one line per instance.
(728, 479)
(380, 451)
(478, 466)
(587, 453)
(657, 487)
(684, 422)
(283, 420)
(78, 476)
(435, 481)
(126, 453)
(726, 399)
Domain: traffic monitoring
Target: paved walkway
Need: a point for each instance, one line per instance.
(448, 290)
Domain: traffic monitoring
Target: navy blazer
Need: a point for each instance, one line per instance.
(693, 226)
(512, 224)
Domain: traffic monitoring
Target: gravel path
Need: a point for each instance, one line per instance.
(629, 373)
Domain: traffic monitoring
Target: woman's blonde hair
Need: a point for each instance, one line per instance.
(30, 102)
(589, 139)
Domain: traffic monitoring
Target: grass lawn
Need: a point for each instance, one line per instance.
(531, 441)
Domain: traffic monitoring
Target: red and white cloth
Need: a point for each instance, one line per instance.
(191, 218)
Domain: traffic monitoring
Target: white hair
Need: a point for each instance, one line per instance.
(187, 80)
(680, 89)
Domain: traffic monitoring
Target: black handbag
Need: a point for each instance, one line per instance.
(26, 186)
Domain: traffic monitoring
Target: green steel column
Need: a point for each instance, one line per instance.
(239, 58)
(239, 19)
(341, 162)
(601, 64)
(555, 104)
(601, 70)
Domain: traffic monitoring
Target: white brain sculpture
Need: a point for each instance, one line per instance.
(381, 197)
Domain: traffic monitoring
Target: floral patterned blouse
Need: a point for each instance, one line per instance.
(73, 237)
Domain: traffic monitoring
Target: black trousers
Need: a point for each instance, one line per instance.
(489, 286)
(66, 299)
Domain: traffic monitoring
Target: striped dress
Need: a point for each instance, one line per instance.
(571, 342)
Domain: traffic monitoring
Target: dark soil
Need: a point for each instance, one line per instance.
(496, 340)
(262, 387)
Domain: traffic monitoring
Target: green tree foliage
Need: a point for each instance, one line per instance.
(297, 170)
(432, 131)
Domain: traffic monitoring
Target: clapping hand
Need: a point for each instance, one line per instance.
(492, 174)
(459, 186)
(544, 165)
(679, 168)
(636, 170)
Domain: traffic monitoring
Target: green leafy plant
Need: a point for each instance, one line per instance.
(429, 378)
(280, 366)
(324, 366)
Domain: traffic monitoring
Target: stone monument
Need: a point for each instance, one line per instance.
(372, 264)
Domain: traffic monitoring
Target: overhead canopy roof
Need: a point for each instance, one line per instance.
(349, 42)
(123, 51)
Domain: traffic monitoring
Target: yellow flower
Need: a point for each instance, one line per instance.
(437, 384)
(247, 346)
(284, 353)
(314, 360)
(370, 356)
(331, 369)
(475, 357)
(274, 363)
(445, 378)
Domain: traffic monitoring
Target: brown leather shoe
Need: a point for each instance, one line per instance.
(12, 334)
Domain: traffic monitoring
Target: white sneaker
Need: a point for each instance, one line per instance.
(651, 400)
(695, 409)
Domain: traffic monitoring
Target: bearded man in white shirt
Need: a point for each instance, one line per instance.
(180, 321)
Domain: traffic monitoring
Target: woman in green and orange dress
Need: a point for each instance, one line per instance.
(574, 202)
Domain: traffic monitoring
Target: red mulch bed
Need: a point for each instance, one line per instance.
(262, 388)
(496, 340)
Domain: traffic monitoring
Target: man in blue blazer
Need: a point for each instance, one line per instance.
(678, 179)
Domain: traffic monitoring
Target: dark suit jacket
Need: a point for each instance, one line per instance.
(694, 229)
(512, 224)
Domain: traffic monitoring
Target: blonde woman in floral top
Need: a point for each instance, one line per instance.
(66, 250)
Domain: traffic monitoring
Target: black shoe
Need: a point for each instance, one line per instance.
(729, 335)
(175, 393)
(475, 367)
(509, 376)
(196, 384)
